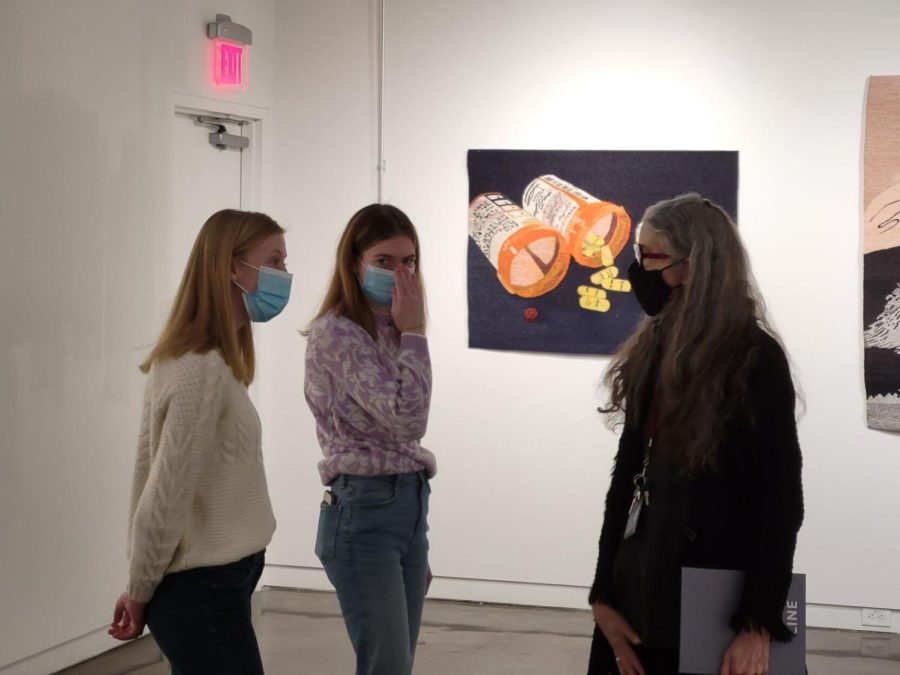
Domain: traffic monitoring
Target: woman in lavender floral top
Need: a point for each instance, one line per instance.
(368, 384)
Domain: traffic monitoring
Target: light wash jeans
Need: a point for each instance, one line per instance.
(373, 545)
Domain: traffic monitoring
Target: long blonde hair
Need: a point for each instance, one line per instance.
(202, 316)
(693, 359)
(370, 225)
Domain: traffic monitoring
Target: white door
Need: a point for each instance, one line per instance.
(204, 179)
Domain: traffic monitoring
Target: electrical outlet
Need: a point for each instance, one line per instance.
(878, 648)
(876, 617)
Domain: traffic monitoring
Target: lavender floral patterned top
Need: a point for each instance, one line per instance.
(370, 399)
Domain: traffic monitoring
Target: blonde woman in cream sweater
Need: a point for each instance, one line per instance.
(200, 511)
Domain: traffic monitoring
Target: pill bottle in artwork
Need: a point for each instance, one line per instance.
(596, 231)
(531, 258)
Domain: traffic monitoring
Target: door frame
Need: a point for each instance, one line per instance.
(256, 174)
(256, 162)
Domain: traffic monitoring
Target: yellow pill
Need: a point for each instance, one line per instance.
(590, 251)
(591, 292)
(606, 257)
(594, 304)
(620, 285)
(608, 273)
(593, 238)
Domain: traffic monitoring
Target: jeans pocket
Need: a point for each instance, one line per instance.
(371, 494)
(231, 575)
(228, 587)
(326, 535)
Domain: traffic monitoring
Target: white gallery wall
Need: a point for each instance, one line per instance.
(85, 279)
(524, 458)
(86, 266)
(326, 127)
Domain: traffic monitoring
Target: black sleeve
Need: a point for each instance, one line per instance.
(778, 495)
(618, 500)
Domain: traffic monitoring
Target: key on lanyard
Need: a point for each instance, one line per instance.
(640, 483)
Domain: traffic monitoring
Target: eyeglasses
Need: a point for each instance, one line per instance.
(640, 255)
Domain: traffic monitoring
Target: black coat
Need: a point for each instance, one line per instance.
(746, 515)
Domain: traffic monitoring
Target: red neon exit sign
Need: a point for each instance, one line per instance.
(229, 64)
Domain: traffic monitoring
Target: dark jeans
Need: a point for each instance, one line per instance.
(200, 619)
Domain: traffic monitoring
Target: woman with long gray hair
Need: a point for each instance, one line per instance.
(708, 471)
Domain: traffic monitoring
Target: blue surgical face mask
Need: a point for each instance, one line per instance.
(273, 290)
(378, 285)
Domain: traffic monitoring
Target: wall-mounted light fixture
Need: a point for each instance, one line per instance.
(230, 52)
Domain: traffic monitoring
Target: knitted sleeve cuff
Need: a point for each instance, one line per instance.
(416, 343)
(141, 592)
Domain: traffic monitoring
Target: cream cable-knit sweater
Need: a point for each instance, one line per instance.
(199, 496)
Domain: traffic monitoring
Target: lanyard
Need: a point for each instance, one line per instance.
(641, 491)
(641, 495)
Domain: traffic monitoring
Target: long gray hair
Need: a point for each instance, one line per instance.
(693, 359)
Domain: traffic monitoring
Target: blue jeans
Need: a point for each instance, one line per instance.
(200, 618)
(372, 542)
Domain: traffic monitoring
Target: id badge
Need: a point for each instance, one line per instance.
(634, 514)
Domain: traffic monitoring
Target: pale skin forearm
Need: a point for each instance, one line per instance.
(748, 654)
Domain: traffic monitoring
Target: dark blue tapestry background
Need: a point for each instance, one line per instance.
(633, 179)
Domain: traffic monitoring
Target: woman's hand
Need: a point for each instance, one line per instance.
(408, 305)
(620, 637)
(748, 654)
(429, 577)
(128, 619)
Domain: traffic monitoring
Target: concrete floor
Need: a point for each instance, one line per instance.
(302, 633)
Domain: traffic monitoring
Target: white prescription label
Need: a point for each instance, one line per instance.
(549, 203)
(492, 219)
(568, 187)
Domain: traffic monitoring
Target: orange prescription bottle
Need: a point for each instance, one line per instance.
(531, 258)
(596, 231)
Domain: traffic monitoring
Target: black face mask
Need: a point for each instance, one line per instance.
(651, 291)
